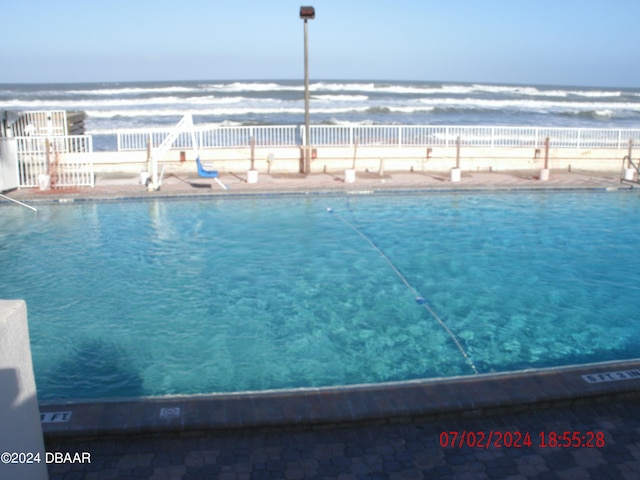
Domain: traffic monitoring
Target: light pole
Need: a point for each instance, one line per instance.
(306, 13)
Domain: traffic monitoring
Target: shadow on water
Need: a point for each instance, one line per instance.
(93, 368)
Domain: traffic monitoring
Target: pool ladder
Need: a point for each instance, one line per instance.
(630, 171)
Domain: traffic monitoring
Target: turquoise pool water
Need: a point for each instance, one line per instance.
(237, 294)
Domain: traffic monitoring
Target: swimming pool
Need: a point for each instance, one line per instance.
(240, 294)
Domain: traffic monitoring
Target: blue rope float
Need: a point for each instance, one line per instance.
(420, 300)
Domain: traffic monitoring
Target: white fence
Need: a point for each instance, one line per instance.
(385, 135)
(67, 159)
(219, 137)
(474, 136)
(39, 124)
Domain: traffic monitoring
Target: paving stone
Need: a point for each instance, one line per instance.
(200, 457)
(403, 457)
(360, 469)
(392, 466)
(276, 465)
(372, 459)
(130, 461)
(548, 475)
(390, 452)
(577, 473)
(294, 474)
(341, 461)
(142, 472)
(74, 476)
(227, 476)
(226, 458)
(587, 458)
(260, 475)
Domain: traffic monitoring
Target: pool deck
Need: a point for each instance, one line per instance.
(369, 431)
(113, 187)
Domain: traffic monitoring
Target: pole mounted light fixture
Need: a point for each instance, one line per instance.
(306, 13)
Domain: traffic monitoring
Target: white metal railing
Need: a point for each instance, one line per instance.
(67, 159)
(40, 124)
(385, 135)
(211, 137)
(477, 136)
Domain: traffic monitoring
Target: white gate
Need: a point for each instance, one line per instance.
(41, 124)
(66, 159)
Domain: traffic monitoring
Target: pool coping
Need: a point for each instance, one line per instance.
(65, 198)
(323, 185)
(432, 399)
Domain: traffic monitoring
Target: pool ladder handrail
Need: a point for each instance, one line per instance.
(19, 202)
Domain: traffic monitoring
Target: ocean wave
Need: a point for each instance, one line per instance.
(200, 126)
(462, 89)
(241, 106)
(112, 106)
(399, 109)
(178, 112)
(249, 87)
(341, 98)
(528, 104)
(132, 90)
(602, 115)
(128, 102)
(337, 87)
(594, 93)
(399, 88)
(349, 123)
(542, 92)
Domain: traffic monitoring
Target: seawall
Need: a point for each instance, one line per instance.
(367, 158)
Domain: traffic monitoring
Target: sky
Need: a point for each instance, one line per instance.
(559, 42)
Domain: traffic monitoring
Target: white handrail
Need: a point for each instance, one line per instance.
(19, 203)
(184, 125)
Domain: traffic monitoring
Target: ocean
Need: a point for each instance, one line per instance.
(124, 105)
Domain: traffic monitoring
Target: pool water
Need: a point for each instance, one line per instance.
(239, 294)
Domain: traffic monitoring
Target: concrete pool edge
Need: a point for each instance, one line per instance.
(376, 403)
(87, 198)
(125, 188)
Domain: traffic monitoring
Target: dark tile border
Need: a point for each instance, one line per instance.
(436, 399)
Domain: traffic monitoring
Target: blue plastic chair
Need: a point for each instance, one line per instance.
(202, 172)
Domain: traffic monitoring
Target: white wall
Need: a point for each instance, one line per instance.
(20, 427)
(8, 164)
(336, 159)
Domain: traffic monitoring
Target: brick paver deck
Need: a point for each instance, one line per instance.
(396, 451)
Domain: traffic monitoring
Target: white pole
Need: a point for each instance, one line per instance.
(307, 160)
